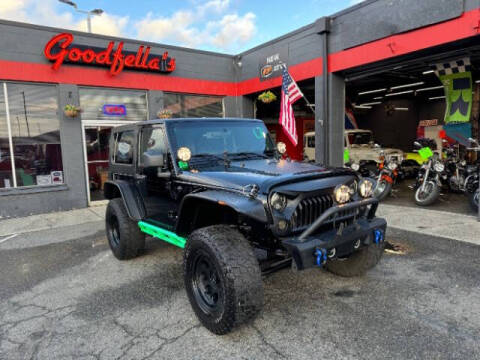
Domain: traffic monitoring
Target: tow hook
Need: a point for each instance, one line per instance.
(321, 255)
(378, 236)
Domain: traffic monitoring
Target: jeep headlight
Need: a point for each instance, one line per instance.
(342, 194)
(439, 167)
(392, 165)
(365, 188)
(355, 167)
(278, 201)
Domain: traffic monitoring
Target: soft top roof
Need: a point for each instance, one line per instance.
(177, 120)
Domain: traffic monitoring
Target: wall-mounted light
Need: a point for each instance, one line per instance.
(436, 98)
(378, 98)
(362, 107)
(428, 72)
(401, 109)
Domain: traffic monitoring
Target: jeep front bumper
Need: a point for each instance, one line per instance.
(337, 242)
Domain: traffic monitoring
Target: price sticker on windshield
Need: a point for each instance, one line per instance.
(425, 153)
(346, 156)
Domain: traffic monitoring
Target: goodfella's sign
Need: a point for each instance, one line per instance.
(60, 50)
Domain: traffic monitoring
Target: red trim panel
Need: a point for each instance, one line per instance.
(306, 70)
(465, 26)
(21, 71)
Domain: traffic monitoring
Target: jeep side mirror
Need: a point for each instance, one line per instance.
(153, 160)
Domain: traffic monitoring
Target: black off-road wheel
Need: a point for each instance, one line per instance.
(123, 234)
(473, 199)
(222, 278)
(358, 263)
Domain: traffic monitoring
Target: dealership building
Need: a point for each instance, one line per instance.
(375, 60)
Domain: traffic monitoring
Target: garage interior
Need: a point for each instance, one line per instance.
(393, 97)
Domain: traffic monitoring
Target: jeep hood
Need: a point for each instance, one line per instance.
(264, 173)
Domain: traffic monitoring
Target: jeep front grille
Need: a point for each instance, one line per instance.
(309, 209)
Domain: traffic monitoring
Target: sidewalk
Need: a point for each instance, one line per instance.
(432, 222)
(418, 220)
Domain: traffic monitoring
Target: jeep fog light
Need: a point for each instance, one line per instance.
(342, 194)
(184, 154)
(365, 188)
(278, 201)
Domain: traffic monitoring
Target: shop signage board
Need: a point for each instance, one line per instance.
(272, 65)
(114, 110)
(61, 49)
(430, 122)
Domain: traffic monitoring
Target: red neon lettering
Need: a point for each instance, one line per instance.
(88, 56)
(154, 64)
(74, 54)
(117, 62)
(64, 40)
(130, 60)
(103, 57)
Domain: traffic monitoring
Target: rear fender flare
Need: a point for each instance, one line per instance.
(131, 197)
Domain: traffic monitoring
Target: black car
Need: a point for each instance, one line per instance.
(222, 190)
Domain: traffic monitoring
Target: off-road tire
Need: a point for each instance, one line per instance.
(128, 238)
(358, 263)
(473, 199)
(239, 274)
(431, 198)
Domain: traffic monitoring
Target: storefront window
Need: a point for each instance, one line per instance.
(35, 136)
(182, 105)
(114, 105)
(6, 180)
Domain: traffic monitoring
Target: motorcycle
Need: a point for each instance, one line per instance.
(471, 184)
(388, 173)
(430, 179)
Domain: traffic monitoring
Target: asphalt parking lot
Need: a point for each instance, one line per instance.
(69, 298)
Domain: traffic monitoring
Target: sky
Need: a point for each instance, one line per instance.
(228, 26)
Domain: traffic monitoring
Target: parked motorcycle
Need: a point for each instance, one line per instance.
(471, 184)
(388, 172)
(430, 180)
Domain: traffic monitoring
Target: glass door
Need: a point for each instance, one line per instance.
(96, 154)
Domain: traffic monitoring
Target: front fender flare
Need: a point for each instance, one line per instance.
(242, 205)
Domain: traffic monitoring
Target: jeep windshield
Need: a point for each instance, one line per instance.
(360, 138)
(218, 140)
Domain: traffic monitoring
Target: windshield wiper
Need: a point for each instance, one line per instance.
(247, 154)
(224, 158)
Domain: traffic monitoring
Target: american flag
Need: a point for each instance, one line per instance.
(290, 93)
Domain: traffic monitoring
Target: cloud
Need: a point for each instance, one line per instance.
(208, 24)
(200, 27)
(45, 12)
(234, 29)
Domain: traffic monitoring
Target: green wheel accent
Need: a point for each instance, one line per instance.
(162, 234)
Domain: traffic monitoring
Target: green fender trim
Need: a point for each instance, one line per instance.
(162, 234)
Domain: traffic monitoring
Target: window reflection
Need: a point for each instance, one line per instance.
(35, 130)
(109, 104)
(6, 179)
(182, 105)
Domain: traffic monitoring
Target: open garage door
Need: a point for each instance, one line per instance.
(392, 104)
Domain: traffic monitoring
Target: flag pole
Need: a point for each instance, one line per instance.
(311, 106)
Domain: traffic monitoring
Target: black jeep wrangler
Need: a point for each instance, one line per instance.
(221, 189)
